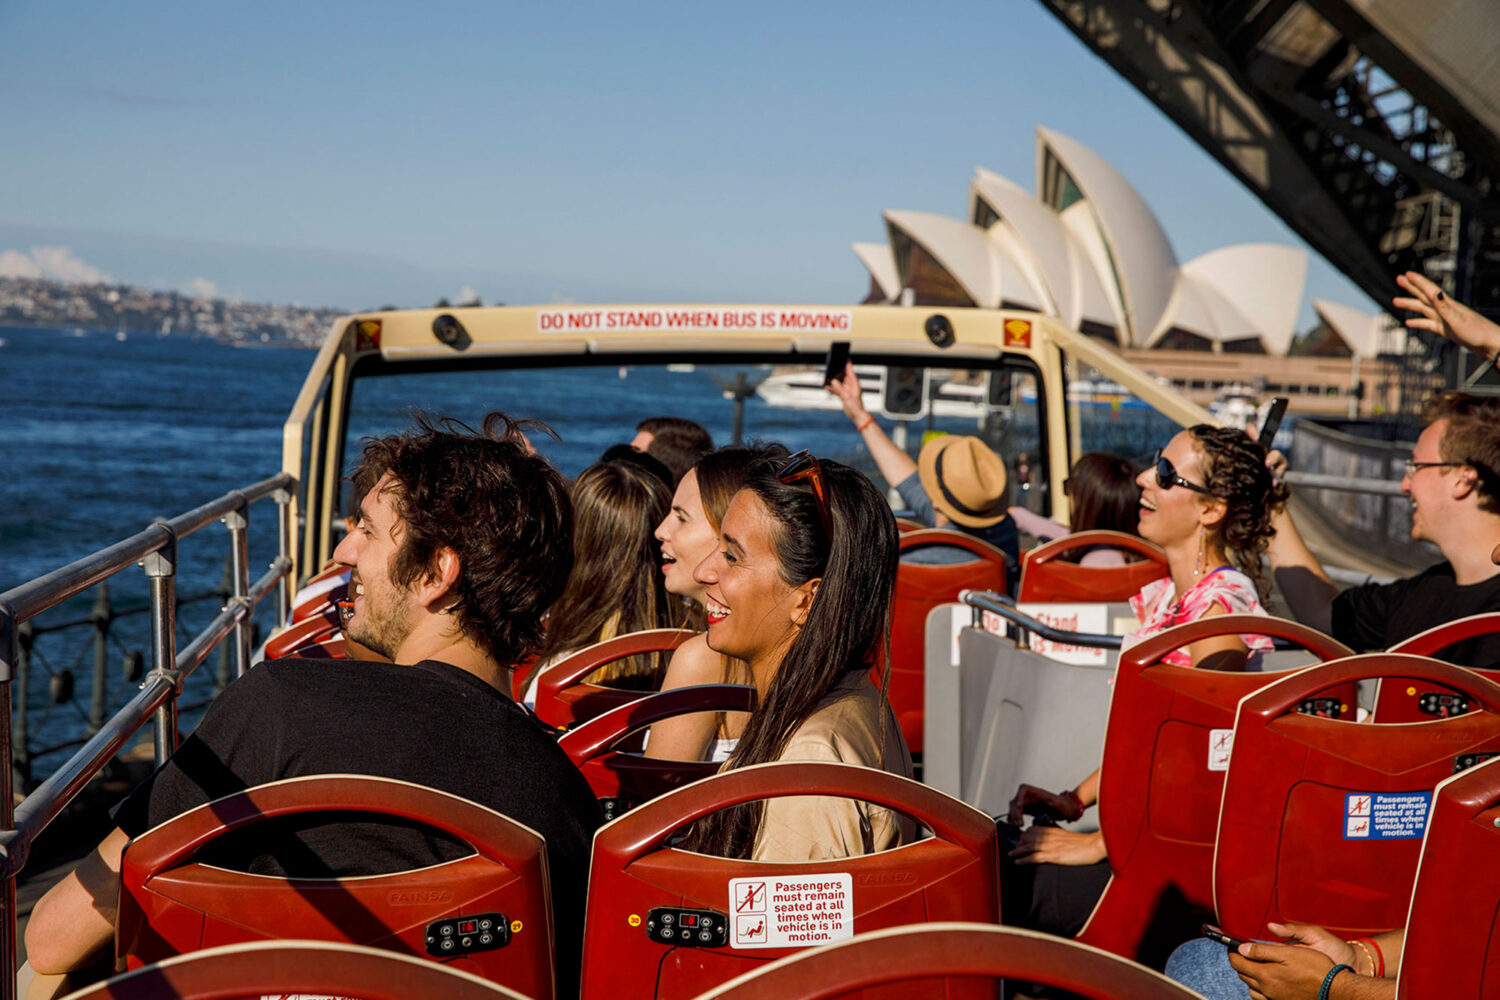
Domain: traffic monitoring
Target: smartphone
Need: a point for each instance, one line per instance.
(838, 358)
(1273, 422)
(1215, 934)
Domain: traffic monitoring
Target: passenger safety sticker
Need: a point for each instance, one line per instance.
(788, 911)
(653, 320)
(1386, 815)
(1220, 742)
(1069, 618)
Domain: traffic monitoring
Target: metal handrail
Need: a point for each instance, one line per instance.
(155, 549)
(1001, 605)
(1349, 484)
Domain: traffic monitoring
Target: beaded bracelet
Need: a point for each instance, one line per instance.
(1359, 945)
(1328, 980)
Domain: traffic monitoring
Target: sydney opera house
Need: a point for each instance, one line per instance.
(1088, 250)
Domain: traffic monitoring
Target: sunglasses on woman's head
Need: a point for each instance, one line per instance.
(804, 466)
(1167, 477)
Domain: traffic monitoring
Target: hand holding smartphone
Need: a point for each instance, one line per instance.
(1215, 934)
(838, 357)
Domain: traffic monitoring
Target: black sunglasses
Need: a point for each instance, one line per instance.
(804, 466)
(1167, 477)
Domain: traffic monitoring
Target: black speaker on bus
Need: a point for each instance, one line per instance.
(905, 393)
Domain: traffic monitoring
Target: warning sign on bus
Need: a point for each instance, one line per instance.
(657, 320)
(1386, 815)
(789, 911)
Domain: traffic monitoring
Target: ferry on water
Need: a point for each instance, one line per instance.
(1346, 791)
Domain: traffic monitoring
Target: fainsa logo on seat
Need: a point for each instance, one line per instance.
(886, 878)
(418, 897)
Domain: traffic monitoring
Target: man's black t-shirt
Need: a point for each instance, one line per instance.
(430, 724)
(1377, 616)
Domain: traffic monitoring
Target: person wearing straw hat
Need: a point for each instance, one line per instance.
(957, 482)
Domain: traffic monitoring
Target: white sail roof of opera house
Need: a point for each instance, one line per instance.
(1089, 250)
(1365, 334)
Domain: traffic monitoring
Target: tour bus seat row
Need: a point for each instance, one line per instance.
(921, 587)
(1047, 576)
(308, 632)
(295, 969)
(1321, 819)
(1453, 926)
(171, 904)
(623, 780)
(563, 698)
(1401, 699)
(1164, 761)
(639, 885)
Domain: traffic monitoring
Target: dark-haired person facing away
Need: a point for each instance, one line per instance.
(676, 442)
(462, 542)
(1103, 496)
(1453, 480)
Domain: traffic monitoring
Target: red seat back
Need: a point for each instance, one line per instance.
(1453, 933)
(321, 602)
(1307, 829)
(1404, 699)
(562, 698)
(1046, 576)
(295, 968)
(920, 587)
(1163, 774)
(170, 904)
(901, 954)
(624, 780)
(304, 633)
(951, 875)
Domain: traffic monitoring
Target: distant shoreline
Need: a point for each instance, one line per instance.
(65, 329)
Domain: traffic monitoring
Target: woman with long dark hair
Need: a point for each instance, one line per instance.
(800, 588)
(1102, 496)
(688, 535)
(616, 586)
(1208, 501)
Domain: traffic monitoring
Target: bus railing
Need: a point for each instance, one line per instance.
(155, 550)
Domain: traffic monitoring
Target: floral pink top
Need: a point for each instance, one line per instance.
(1228, 588)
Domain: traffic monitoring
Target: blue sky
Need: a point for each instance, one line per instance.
(356, 154)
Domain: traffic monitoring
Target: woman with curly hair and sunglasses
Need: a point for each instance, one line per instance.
(1208, 501)
(799, 588)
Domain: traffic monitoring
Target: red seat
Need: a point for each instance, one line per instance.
(624, 780)
(1161, 781)
(904, 525)
(1401, 699)
(307, 632)
(562, 699)
(170, 904)
(1046, 576)
(920, 587)
(951, 875)
(1453, 932)
(295, 968)
(901, 954)
(1305, 828)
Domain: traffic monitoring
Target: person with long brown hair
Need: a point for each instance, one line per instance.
(1102, 496)
(799, 587)
(616, 585)
(688, 534)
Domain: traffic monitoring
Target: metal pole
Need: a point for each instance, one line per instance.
(741, 393)
(283, 500)
(10, 650)
(20, 752)
(239, 558)
(101, 616)
(161, 567)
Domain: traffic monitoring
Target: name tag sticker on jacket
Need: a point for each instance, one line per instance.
(1386, 815)
(789, 911)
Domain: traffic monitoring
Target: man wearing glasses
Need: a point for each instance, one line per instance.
(1453, 480)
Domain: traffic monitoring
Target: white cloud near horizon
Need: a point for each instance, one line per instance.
(466, 295)
(53, 263)
(201, 288)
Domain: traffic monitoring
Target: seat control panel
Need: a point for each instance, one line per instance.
(1323, 708)
(689, 928)
(1443, 704)
(466, 935)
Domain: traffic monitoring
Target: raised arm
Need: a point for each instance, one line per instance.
(1439, 313)
(1308, 591)
(894, 464)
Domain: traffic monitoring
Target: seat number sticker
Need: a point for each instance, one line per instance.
(790, 911)
(1386, 815)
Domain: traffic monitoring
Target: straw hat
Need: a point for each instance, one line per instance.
(964, 479)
